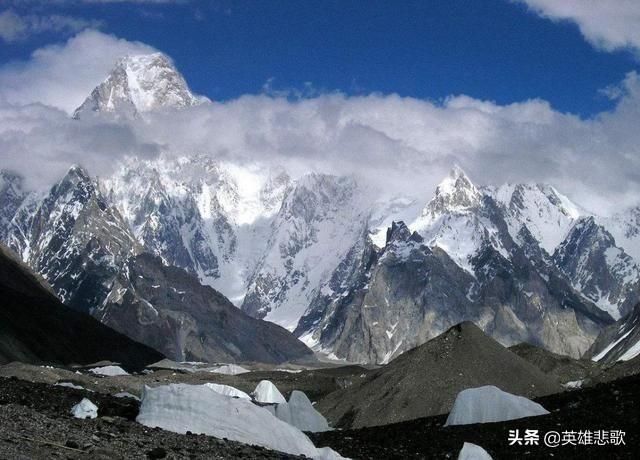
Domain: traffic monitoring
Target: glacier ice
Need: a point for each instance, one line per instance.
(490, 404)
(267, 393)
(227, 390)
(300, 413)
(230, 369)
(85, 409)
(109, 371)
(200, 409)
(471, 451)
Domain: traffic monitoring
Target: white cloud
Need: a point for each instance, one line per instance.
(63, 75)
(15, 27)
(607, 24)
(400, 144)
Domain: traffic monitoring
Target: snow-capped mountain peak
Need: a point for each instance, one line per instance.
(138, 84)
(456, 193)
(545, 212)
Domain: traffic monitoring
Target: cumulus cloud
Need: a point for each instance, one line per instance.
(15, 27)
(607, 24)
(63, 75)
(398, 144)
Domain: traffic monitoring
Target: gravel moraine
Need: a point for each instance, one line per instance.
(35, 423)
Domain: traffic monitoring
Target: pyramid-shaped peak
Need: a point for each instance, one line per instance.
(456, 193)
(462, 357)
(456, 179)
(157, 58)
(137, 84)
(457, 171)
(77, 173)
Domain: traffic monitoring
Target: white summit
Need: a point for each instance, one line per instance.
(138, 84)
(490, 404)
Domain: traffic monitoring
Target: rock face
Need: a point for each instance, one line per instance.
(618, 342)
(393, 300)
(168, 309)
(139, 84)
(299, 253)
(12, 195)
(545, 213)
(207, 217)
(74, 238)
(83, 247)
(426, 380)
(625, 228)
(598, 268)
(36, 328)
(312, 232)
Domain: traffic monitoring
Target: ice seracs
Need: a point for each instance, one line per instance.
(227, 390)
(299, 412)
(267, 392)
(200, 409)
(490, 404)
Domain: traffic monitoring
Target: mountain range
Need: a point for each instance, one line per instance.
(353, 275)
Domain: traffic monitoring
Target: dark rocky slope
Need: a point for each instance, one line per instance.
(620, 341)
(36, 328)
(610, 406)
(425, 381)
(564, 368)
(168, 309)
(35, 423)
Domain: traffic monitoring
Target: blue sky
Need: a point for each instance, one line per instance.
(491, 49)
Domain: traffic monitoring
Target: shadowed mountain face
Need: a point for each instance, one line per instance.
(425, 381)
(381, 303)
(79, 242)
(36, 328)
(619, 342)
(168, 309)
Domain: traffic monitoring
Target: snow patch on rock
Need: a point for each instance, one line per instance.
(109, 371)
(84, 409)
(230, 369)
